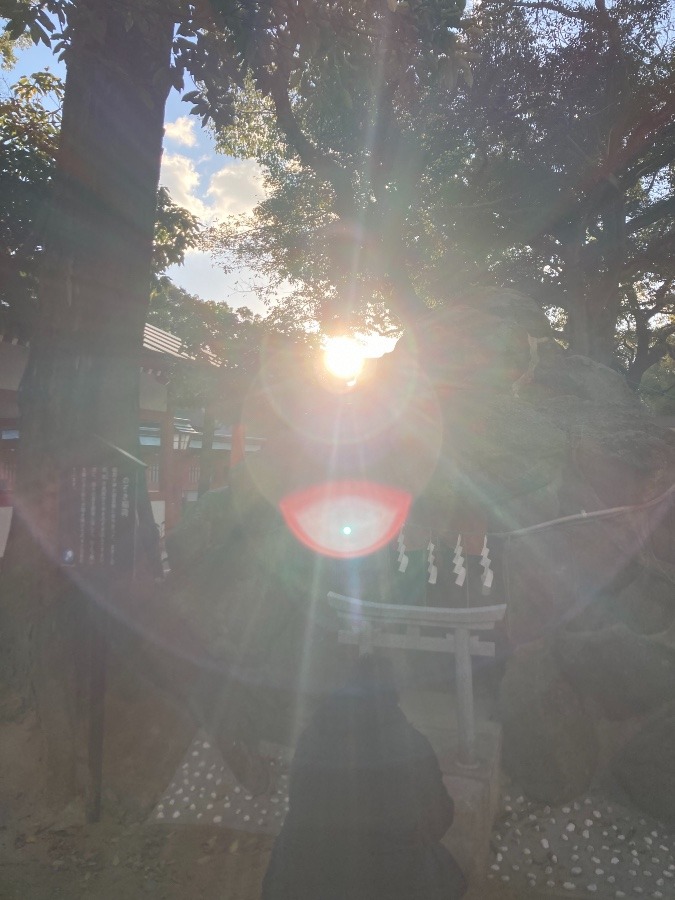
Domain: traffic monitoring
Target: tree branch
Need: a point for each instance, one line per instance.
(579, 13)
(662, 209)
(310, 155)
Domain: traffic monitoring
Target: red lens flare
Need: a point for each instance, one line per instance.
(346, 519)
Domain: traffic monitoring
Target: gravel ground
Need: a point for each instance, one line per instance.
(591, 847)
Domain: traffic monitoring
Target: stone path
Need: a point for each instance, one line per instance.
(588, 848)
(204, 791)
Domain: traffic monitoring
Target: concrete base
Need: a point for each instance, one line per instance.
(475, 790)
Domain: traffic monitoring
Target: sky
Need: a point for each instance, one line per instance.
(209, 184)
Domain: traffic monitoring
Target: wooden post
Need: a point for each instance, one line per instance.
(97, 676)
(465, 716)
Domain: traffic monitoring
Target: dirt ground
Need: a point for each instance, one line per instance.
(113, 862)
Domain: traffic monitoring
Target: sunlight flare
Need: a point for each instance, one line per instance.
(344, 357)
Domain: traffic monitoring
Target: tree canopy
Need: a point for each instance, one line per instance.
(547, 165)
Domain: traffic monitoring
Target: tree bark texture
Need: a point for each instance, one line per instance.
(82, 377)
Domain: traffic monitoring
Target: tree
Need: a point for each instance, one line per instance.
(30, 119)
(331, 110)
(83, 370)
(28, 138)
(547, 167)
(81, 381)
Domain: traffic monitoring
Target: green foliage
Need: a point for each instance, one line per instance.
(29, 123)
(176, 232)
(657, 386)
(224, 340)
(547, 167)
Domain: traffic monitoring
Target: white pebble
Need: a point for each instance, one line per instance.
(585, 834)
(599, 871)
(545, 844)
(614, 860)
(596, 814)
(569, 886)
(566, 809)
(570, 827)
(217, 819)
(576, 870)
(591, 887)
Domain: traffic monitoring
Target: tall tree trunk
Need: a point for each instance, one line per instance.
(578, 326)
(82, 377)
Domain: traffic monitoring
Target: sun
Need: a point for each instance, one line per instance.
(344, 357)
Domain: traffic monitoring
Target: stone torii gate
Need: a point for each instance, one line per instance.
(446, 630)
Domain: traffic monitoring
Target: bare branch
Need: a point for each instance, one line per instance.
(579, 13)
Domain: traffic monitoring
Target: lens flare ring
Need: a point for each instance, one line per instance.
(345, 519)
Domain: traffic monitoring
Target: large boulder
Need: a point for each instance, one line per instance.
(540, 585)
(626, 674)
(550, 744)
(645, 767)
(647, 604)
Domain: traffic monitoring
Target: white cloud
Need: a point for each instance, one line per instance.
(182, 131)
(182, 179)
(236, 188)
